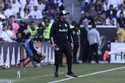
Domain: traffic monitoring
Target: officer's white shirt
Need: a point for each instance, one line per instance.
(93, 37)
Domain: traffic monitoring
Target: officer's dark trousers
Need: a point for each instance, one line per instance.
(94, 52)
(75, 50)
(66, 49)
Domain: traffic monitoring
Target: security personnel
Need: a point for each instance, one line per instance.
(32, 29)
(47, 27)
(75, 32)
(61, 40)
(46, 38)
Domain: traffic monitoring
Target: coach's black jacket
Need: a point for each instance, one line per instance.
(61, 33)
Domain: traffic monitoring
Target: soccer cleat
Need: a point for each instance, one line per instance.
(69, 75)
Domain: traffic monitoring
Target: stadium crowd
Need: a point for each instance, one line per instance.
(12, 12)
(105, 12)
(15, 28)
(27, 22)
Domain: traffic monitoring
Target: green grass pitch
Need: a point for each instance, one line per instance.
(45, 74)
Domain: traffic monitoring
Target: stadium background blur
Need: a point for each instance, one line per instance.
(18, 16)
(15, 15)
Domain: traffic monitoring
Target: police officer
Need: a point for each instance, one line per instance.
(61, 40)
(75, 32)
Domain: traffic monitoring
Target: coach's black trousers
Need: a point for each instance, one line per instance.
(67, 50)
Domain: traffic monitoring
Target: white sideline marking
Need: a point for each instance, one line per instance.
(39, 76)
(90, 74)
(6, 81)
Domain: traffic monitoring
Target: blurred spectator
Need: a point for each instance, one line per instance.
(99, 7)
(111, 21)
(111, 11)
(22, 3)
(60, 5)
(100, 19)
(24, 14)
(50, 5)
(92, 11)
(35, 13)
(115, 3)
(15, 6)
(105, 5)
(2, 19)
(84, 15)
(56, 1)
(85, 5)
(1, 26)
(51, 9)
(41, 5)
(32, 3)
(9, 11)
(14, 24)
(121, 10)
(2, 5)
(121, 19)
(51, 14)
(6, 4)
(7, 34)
(121, 34)
(21, 35)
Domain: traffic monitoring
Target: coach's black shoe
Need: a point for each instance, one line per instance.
(56, 74)
(69, 75)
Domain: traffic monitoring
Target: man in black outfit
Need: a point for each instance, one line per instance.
(75, 38)
(61, 40)
(84, 44)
